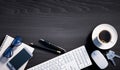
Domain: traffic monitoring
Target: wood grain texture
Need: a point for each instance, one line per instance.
(66, 23)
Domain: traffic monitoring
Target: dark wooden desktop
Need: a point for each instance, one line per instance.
(68, 30)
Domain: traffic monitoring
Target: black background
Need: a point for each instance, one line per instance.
(69, 29)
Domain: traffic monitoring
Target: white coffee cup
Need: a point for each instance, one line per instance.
(104, 36)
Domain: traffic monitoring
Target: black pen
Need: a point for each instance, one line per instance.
(51, 45)
(45, 48)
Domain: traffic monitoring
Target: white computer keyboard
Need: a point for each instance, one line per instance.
(73, 60)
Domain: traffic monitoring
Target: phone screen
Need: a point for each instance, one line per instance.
(19, 60)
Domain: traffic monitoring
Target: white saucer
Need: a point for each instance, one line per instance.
(98, 29)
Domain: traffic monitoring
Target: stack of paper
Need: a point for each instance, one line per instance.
(6, 43)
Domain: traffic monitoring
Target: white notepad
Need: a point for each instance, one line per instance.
(7, 41)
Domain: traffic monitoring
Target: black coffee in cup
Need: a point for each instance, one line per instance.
(105, 36)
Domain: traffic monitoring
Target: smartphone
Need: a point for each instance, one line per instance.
(17, 61)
